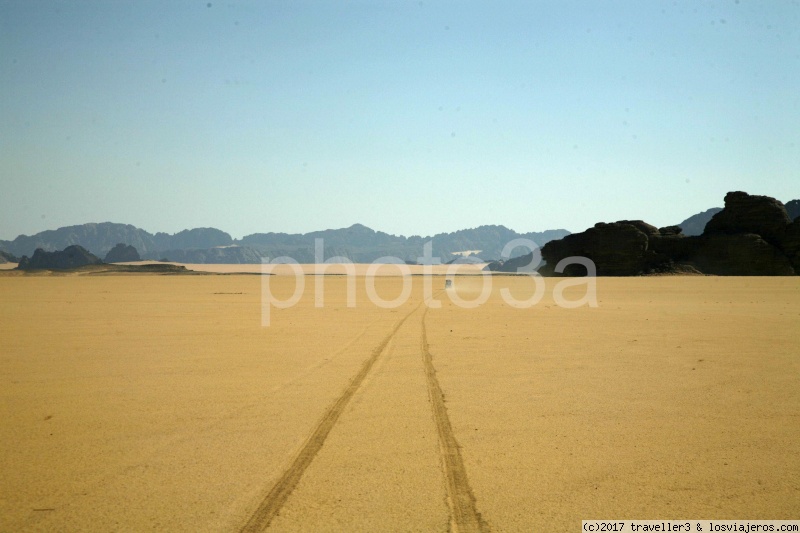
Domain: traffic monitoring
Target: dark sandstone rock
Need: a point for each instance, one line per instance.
(122, 253)
(675, 248)
(731, 245)
(791, 243)
(71, 257)
(644, 227)
(745, 254)
(670, 230)
(718, 254)
(695, 224)
(745, 213)
(617, 249)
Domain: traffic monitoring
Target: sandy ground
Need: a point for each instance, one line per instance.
(160, 403)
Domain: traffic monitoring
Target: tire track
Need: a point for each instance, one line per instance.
(464, 516)
(277, 496)
(319, 364)
(145, 455)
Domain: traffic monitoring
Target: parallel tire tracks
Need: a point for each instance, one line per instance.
(464, 516)
(272, 503)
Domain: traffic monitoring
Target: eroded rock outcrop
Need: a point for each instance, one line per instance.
(751, 236)
(745, 213)
(791, 243)
(71, 257)
(6, 257)
(617, 249)
(744, 254)
(122, 253)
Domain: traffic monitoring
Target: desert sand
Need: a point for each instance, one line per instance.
(137, 403)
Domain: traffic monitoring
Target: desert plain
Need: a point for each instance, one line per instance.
(155, 402)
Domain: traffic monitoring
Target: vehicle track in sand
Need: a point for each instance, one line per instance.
(464, 516)
(146, 455)
(277, 496)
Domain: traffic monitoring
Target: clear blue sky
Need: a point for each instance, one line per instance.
(409, 117)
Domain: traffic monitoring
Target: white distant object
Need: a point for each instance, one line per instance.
(448, 283)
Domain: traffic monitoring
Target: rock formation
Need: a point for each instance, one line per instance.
(6, 257)
(790, 244)
(617, 249)
(71, 257)
(122, 253)
(744, 213)
(523, 263)
(751, 236)
(743, 254)
(695, 224)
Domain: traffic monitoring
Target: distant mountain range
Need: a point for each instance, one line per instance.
(210, 245)
(793, 208)
(357, 243)
(100, 238)
(695, 224)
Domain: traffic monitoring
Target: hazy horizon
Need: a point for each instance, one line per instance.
(236, 237)
(412, 118)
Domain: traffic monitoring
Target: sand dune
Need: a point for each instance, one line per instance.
(133, 403)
